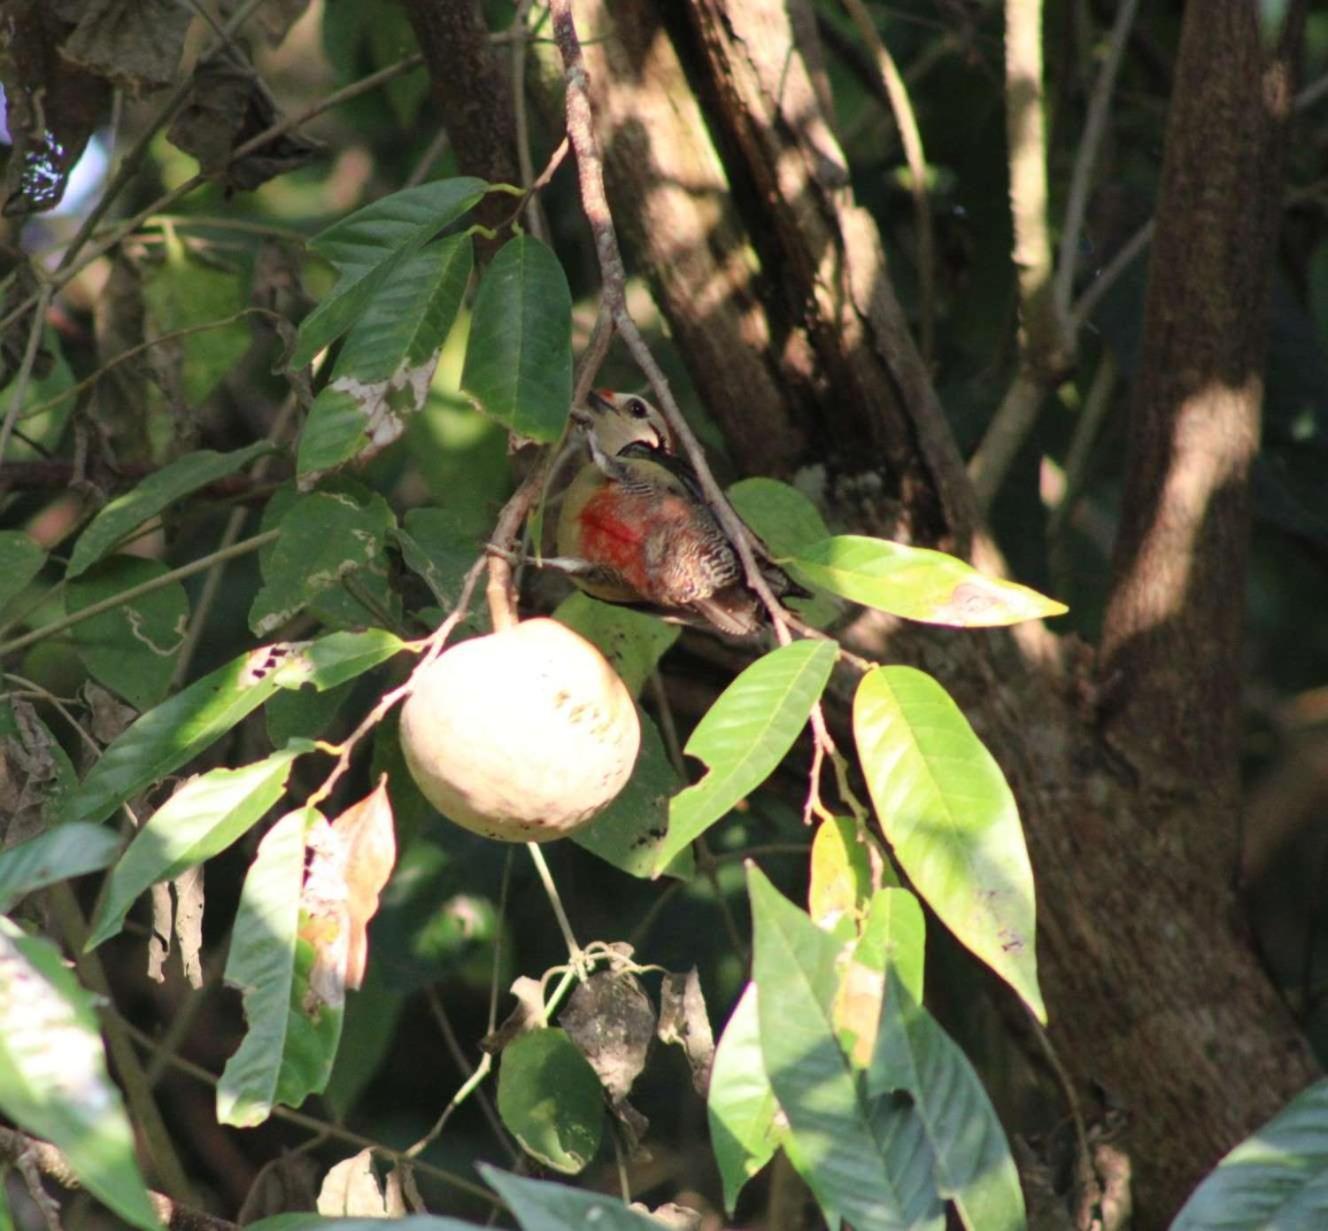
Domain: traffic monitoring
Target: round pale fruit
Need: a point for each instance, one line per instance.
(523, 735)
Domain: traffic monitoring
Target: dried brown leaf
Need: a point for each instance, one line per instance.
(610, 1018)
(683, 1019)
(228, 105)
(134, 43)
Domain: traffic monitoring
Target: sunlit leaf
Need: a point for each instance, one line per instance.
(551, 1100)
(369, 246)
(58, 854)
(870, 1162)
(131, 649)
(333, 660)
(746, 734)
(200, 820)
(261, 964)
(948, 813)
(519, 357)
(176, 731)
(162, 488)
(840, 872)
(1275, 1180)
(972, 1160)
(741, 1106)
(916, 582)
(383, 372)
(53, 1081)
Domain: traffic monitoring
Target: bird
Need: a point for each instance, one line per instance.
(635, 528)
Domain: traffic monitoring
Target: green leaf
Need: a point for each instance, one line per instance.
(519, 357)
(741, 1106)
(971, 1157)
(131, 649)
(948, 813)
(435, 545)
(869, 1162)
(183, 292)
(368, 247)
(840, 872)
(384, 370)
(895, 933)
(541, 1205)
(53, 1081)
(745, 735)
(332, 660)
(20, 561)
(628, 833)
(916, 583)
(632, 641)
(551, 1100)
(781, 515)
(1276, 1180)
(200, 820)
(163, 739)
(328, 539)
(287, 1051)
(160, 489)
(55, 855)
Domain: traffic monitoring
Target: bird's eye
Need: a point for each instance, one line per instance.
(637, 409)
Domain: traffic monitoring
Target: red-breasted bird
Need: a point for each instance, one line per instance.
(635, 527)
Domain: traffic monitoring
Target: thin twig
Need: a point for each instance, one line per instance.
(1090, 144)
(163, 203)
(431, 646)
(575, 954)
(534, 218)
(35, 332)
(613, 290)
(911, 138)
(128, 596)
(230, 534)
(313, 1124)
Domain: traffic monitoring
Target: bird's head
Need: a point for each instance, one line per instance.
(620, 419)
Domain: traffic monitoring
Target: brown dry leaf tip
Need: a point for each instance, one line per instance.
(351, 860)
(683, 1019)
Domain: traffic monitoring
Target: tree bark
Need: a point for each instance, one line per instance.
(752, 241)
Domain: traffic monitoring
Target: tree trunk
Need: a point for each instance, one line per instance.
(733, 199)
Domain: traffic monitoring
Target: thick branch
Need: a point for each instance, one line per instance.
(1172, 636)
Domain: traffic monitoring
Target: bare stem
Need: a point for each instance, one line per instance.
(911, 138)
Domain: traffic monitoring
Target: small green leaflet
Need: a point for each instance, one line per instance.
(745, 734)
(167, 485)
(916, 583)
(368, 247)
(948, 814)
(53, 1081)
(200, 820)
(518, 366)
(550, 1099)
